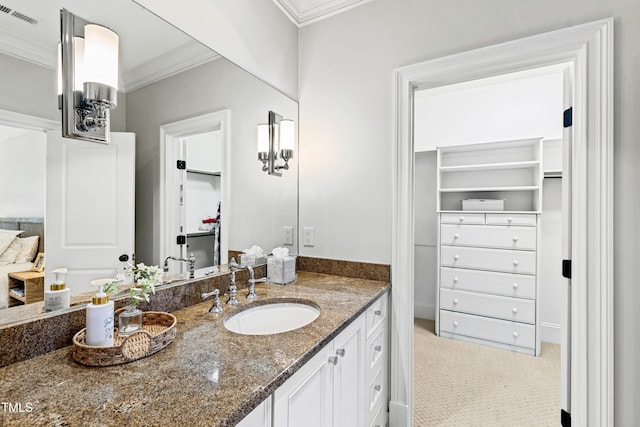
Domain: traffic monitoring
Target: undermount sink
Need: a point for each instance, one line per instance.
(272, 317)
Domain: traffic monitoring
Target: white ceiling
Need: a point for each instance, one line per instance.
(150, 48)
(304, 12)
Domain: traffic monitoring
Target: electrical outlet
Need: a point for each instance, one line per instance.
(287, 236)
(308, 236)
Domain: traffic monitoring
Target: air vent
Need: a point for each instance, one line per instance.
(4, 8)
(24, 18)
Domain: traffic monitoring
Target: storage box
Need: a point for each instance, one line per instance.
(483, 205)
(246, 259)
(281, 270)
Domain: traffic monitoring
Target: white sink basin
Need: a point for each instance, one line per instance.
(272, 317)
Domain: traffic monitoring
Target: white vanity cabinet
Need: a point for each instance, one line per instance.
(488, 260)
(345, 384)
(259, 417)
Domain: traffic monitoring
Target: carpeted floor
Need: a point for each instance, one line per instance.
(461, 384)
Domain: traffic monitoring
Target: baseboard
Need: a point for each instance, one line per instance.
(398, 415)
(550, 332)
(423, 311)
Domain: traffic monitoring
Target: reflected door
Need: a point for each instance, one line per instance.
(89, 225)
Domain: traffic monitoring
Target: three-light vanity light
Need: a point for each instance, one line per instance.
(87, 78)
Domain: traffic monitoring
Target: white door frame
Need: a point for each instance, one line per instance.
(589, 47)
(11, 118)
(170, 134)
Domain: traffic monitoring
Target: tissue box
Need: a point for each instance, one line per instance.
(246, 259)
(281, 270)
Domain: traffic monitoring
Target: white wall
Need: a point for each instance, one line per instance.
(346, 108)
(22, 175)
(254, 34)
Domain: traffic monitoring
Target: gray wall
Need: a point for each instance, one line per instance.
(346, 99)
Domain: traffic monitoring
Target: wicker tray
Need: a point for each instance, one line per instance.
(158, 331)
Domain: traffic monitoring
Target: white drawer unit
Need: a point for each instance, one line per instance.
(506, 308)
(487, 259)
(499, 236)
(376, 353)
(376, 314)
(508, 261)
(490, 282)
(494, 330)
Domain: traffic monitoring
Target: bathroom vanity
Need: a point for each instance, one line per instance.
(334, 371)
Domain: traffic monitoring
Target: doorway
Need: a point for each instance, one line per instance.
(591, 267)
(472, 379)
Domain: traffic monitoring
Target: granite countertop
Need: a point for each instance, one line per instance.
(208, 376)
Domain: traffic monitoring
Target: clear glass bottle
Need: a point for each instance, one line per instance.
(129, 321)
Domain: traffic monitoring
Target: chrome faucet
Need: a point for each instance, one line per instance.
(216, 307)
(252, 280)
(191, 262)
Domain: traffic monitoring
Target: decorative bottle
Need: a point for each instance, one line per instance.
(100, 317)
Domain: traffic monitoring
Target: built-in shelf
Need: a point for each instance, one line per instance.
(476, 189)
(491, 167)
(201, 234)
(203, 172)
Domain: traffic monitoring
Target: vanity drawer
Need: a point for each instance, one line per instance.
(376, 394)
(508, 261)
(498, 236)
(376, 353)
(501, 331)
(514, 309)
(529, 220)
(490, 282)
(461, 218)
(377, 313)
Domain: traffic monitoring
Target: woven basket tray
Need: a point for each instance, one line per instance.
(158, 331)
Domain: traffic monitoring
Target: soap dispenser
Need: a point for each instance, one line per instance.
(100, 317)
(58, 296)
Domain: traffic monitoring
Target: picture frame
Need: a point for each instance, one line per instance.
(38, 264)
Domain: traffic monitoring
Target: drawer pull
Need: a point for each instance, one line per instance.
(515, 238)
(515, 310)
(456, 257)
(455, 300)
(456, 280)
(461, 219)
(455, 323)
(515, 263)
(515, 286)
(378, 387)
(377, 312)
(378, 348)
(509, 219)
(340, 352)
(456, 236)
(333, 360)
(515, 335)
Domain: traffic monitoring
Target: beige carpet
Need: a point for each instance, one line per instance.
(461, 384)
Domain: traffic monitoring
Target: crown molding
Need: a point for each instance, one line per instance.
(302, 16)
(26, 50)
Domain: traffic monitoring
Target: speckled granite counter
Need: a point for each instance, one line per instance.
(207, 377)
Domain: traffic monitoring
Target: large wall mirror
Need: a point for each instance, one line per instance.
(177, 100)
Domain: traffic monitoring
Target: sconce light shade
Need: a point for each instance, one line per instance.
(78, 56)
(101, 55)
(263, 138)
(287, 134)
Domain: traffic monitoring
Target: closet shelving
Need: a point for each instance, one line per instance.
(509, 170)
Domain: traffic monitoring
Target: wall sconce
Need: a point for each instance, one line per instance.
(87, 78)
(276, 143)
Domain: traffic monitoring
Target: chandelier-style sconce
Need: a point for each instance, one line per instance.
(87, 78)
(275, 144)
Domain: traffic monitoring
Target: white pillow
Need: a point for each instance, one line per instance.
(28, 249)
(9, 255)
(6, 237)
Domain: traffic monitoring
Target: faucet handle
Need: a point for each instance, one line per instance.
(254, 281)
(215, 292)
(216, 307)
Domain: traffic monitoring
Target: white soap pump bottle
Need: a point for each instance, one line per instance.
(100, 317)
(58, 296)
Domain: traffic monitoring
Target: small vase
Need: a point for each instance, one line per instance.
(129, 321)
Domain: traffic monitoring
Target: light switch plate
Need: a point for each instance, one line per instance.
(287, 236)
(308, 236)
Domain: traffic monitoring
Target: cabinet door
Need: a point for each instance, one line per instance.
(259, 417)
(349, 376)
(306, 399)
